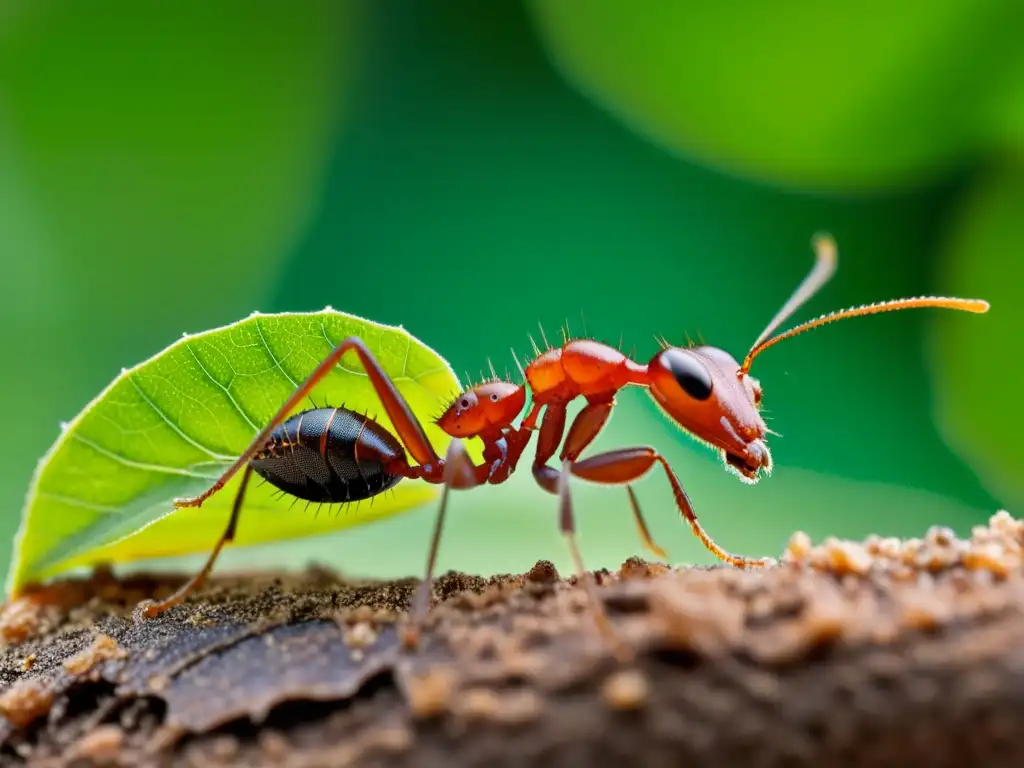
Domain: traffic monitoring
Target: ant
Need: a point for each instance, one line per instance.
(335, 455)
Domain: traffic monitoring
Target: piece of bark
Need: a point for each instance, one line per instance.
(834, 658)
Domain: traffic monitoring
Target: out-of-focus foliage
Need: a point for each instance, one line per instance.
(813, 94)
(167, 428)
(978, 369)
(469, 174)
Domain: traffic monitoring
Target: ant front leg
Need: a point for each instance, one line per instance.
(459, 473)
(627, 465)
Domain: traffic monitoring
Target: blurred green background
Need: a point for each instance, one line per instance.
(468, 169)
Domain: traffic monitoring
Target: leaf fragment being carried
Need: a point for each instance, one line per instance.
(167, 428)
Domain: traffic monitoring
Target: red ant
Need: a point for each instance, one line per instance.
(335, 455)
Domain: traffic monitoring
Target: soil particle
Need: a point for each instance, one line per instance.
(103, 648)
(26, 700)
(881, 652)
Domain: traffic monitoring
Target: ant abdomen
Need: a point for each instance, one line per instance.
(329, 455)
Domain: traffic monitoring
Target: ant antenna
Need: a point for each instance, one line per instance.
(824, 267)
(825, 262)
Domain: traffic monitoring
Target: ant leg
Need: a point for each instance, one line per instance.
(552, 427)
(406, 424)
(530, 422)
(584, 430)
(626, 465)
(149, 609)
(567, 524)
(585, 427)
(641, 524)
(459, 472)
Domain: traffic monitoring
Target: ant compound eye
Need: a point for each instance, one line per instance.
(689, 372)
(466, 401)
(494, 398)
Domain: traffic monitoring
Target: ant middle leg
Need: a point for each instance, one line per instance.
(584, 430)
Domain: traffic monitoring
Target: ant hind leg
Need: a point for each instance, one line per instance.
(149, 609)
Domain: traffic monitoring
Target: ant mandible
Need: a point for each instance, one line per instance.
(335, 455)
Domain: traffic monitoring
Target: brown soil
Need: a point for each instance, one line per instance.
(876, 653)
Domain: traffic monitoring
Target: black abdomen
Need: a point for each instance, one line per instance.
(313, 454)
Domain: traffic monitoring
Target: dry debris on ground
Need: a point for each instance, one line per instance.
(884, 652)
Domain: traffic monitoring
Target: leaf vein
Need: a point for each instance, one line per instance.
(332, 345)
(177, 429)
(408, 349)
(428, 372)
(273, 357)
(226, 390)
(355, 372)
(73, 501)
(124, 460)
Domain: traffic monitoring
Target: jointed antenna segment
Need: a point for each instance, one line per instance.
(824, 267)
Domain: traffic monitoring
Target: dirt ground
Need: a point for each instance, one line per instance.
(874, 653)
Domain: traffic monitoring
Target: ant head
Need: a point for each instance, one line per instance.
(703, 391)
(486, 407)
(707, 392)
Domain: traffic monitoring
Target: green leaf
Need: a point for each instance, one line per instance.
(975, 364)
(166, 428)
